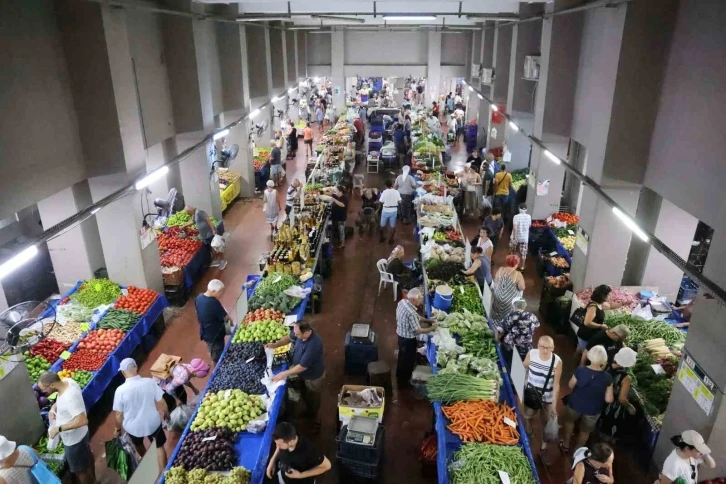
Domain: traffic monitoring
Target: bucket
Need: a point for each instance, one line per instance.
(443, 297)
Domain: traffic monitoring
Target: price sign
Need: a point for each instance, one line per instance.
(250, 359)
(504, 476)
(510, 422)
(85, 327)
(553, 253)
(277, 279)
(213, 437)
(658, 369)
(570, 232)
(461, 288)
(227, 394)
(65, 355)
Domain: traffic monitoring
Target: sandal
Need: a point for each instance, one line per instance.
(563, 449)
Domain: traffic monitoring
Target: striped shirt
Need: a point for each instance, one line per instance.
(406, 319)
(522, 221)
(538, 370)
(291, 195)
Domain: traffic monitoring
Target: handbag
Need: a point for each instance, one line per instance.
(578, 319)
(532, 395)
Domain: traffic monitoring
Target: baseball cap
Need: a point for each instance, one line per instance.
(694, 439)
(127, 364)
(622, 331)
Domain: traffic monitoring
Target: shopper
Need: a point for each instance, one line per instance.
(613, 421)
(507, 286)
(451, 129)
(406, 277)
(207, 231)
(399, 141)
(275, 163)
(407, 328)
(360, 131)
(435, 109)
(213, 318)
(271, 207)
(292, 138)
(595, 466)
(390, 200)
(15, 463)
(482, 240)
(543, 370)
(449, 103)
(71, 423)
(516, 330)
(295, 460)
(140, 409)
(682, 463)
(320, 115)
(329, 115)
(480, 267)
(495, 224)
(406, 186)
(471, 181)
(594, 319)
(592, 388)
(308, 139)
(349, 156)
(339, 214)
(308, 364)
(180, 376)
(502, 184)
(519, 242)
(368, 213)
(293, 194)
(474, 161)
(610, 339)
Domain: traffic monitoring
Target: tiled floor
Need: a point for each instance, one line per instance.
(349, 296)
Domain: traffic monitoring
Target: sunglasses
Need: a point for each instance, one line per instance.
(693, 472)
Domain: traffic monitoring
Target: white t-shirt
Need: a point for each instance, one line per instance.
(485, 245)
(69, 405)
(675, 467)
(136, 399)
(390, 199)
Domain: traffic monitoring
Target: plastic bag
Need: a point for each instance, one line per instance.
(180, 417)
(642, 312)
(218, 243)
(551, 430)
(52, 443)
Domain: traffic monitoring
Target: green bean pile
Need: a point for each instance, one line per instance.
(480, 464)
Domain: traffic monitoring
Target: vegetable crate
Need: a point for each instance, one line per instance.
(361, 453)
(345, 412)
(360, 469)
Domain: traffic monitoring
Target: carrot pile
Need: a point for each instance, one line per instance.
(482, 421)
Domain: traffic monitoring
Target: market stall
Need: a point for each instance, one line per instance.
(230, 186)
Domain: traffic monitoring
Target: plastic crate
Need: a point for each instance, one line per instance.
(360, 469)
(361, 453)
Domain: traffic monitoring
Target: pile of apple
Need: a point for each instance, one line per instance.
(264, 315)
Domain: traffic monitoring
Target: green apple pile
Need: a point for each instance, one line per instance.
(233, 409)
(265, 331)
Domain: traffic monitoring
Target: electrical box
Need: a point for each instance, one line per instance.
(531, 67)
(487, 76)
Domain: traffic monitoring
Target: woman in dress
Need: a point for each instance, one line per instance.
(615, 415)
(596, 467)
(271, 207)
(508, 285)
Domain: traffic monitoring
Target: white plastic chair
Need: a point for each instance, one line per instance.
(386, 277)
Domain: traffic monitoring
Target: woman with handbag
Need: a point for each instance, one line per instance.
(590, 319)
(592, 388)
(543, 369)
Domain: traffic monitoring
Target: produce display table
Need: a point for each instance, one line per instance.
(229, 194)
(194, 270)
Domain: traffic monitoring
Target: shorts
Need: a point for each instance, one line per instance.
(215, 349)
(158, 437)
(587, 422)
(581, 344)
(275, 170)
(530, 413)
(309, 142)
(389, 218)
(288, 209)
(520, 247)
(79, 455)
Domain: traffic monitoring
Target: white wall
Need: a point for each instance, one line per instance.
(318, 52)
(453, 48)
(397, 48)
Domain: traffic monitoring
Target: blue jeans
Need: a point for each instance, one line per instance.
(389, 218)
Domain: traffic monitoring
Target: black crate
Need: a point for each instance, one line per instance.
(361, 453)
(355, 369)
(360, 469)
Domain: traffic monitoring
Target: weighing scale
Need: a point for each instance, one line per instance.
(361, 333)
(362, 431)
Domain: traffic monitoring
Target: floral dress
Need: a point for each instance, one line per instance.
(518, 328)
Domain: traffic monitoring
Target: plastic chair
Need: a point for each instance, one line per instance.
(358, 182)
(372, 164)
(386, 277)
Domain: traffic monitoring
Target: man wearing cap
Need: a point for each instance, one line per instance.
(138, 403)
(71, 422)
(611, 339)
(682, 463)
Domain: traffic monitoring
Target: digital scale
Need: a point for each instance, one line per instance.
(362, 431)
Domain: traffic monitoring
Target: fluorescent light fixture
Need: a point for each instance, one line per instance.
(151, 177)
(316, 79)
(513, 126)
(17, 261)
(221, 134)
(552, 157)
(95, 210)
(254, 113)
(463, 81)
(471, 89)
(630, 223)
(275, 99)
(260, 19)
(409, 17)
(338, 17)
(494, 107)
(480, 96)
(291, 90)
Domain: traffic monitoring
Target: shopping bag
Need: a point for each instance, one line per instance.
(52, 443)
(218, 243)
(179, 418)
(121, 457)
(163, 366)
(551, 430)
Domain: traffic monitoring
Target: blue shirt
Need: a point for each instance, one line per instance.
(588, 396)
(211, 314)
(319, 114)
(309, 354)
(484, 272)
(399, 137)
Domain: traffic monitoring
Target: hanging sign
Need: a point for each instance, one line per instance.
(336, 90)
(494, 133)
(543, 188)
(582, 240)
(698, 384)
(146, 236)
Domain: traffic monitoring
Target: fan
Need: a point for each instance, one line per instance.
(166, 206)
(261, 128)
(279, 114)
(22, 326)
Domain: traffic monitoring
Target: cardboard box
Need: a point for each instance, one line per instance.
(346, 412)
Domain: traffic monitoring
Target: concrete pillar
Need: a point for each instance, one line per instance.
(76, 254)
(195, 172)
(433, 70)
(337, 73)
(296, 67)
(268, 63)
(500, 87)
(285, 66)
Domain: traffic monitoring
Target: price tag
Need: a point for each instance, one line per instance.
(658, 369)
(65, 355)
(461, 288)
(504, 476)
(510, 422)
(124, 292)
(553, 253)
(85, 327)
(549, 219)
(570, 232)
(227, 394)
(277, 279)
(290, 320)
(213, 437)
(250, 359)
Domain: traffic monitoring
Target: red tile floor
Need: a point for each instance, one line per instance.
(349, 296)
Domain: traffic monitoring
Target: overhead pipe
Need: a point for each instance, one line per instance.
(567, 11)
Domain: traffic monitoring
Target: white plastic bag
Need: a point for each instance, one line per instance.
(643, 312)
(180, 417)
(218, 243)
(52, 443)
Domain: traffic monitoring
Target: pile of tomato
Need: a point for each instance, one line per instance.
(138, 300)
(49, 348)
(568, 218)
(102, 340)
(88, 360)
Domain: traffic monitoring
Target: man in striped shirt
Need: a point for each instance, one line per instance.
(407, 328)
(293, 191)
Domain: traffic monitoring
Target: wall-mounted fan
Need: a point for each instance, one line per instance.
(260, 128)
(23, 326)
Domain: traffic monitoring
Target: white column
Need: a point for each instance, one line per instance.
(337, 61)
(285, 67)
(297, 55)
(433, 67)
(245, 163)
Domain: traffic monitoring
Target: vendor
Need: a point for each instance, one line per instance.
(406, 277)
(307, 364)
(207, 231)
(295, 459)
(686, 311)
(480, 267)
(408, 326)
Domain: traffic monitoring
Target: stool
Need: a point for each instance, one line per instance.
(358, 181)
(379, 374)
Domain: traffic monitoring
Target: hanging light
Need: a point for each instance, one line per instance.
(471, 89)
(552, 157)
(630, 223)
(221, 134)
(494, 107)
(17, 261)
(151, 177)
(480, 96)
(254, 113)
